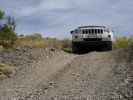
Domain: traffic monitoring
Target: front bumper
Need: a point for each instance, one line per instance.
(91, 43)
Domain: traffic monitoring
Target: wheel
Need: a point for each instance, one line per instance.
(75, 48)
(107, 46)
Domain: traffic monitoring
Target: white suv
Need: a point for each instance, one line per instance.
(92, 37)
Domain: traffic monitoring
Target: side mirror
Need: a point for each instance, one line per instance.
(71, 32)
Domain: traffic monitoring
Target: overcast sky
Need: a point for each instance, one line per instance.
(57, 17)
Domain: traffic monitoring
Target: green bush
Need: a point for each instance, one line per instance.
(66, 43)
(5, 70)
(7, 34)
(131, 41)
(36, 40)
(1, 14)
(122, 42)
(7, 37)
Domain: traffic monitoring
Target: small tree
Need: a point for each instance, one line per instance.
(7, 37)
(1, 14)
(11, 22)
(7, 34)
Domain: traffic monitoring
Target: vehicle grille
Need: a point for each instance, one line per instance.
(92, 39)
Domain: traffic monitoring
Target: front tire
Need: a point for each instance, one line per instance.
(75, 48)
(107, 46)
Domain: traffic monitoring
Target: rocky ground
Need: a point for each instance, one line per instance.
(51, 74)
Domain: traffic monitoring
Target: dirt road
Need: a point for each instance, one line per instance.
(92, 76)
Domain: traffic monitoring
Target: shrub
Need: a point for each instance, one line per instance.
(24, 41)
(131, 41)
(121, 42)
(36, 40)
(7, 37)
(52, 42)
(5, 70)
(1, 14)
(66, 43)
(7, 34)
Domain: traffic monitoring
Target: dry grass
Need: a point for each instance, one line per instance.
(122, 42)
(5, 71)
(30, 42)
(44, 43)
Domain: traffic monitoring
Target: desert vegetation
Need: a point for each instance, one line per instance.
(7, 30)
(122, 42)
(10, 39)
(36, 40)
(5, 70)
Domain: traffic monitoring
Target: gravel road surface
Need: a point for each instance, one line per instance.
(56, 75)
